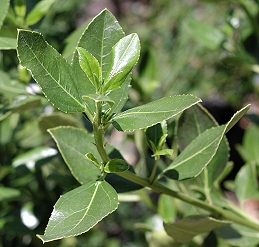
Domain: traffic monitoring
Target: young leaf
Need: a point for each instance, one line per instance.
(116, 165)
(185, 230)
(99, 44)
(125, 55)
(93, 159)
(90, 66)
(152, 113)
(79, 210)
(120, 95)
(51, 71)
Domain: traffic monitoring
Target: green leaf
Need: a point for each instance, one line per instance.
(184, 230)
(79, 210)
(90, 66)
(193, 159)
(73, 144)
(56, 119)
(193, 122)
(156, 136)
(197, 155)
(93, 159)
(167, 208)
(3, 10)
(99, 44)
(152, 113)
(246, 184)
(51, 71)
(39, 10)
(165, 151)
(7, 43)
(250, 145)
(116, 165)
(125, 55)
(20, 10)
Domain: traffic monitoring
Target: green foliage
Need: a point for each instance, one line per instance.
(94, 201)
(183, 151)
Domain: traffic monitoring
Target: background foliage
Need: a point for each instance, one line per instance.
(208, 48)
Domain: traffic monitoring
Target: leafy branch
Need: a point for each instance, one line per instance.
(96, 83)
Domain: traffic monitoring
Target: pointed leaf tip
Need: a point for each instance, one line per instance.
(79, 210)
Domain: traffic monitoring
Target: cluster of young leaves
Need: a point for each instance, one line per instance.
(96, 83)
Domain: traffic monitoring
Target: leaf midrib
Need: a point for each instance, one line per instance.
(50, 74)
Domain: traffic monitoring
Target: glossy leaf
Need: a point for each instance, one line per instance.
(73, 144)
(120, 95)
(51, 71)
(125, 55)
(80, 209)
(185, 230)
(246, 184)
(152, 113)
(99, 44)
(3, 10)
(116, 165)
(197, 155)
(90, 66)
